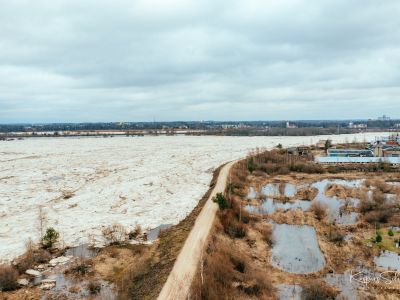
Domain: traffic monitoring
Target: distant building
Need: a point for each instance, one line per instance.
(299, 151)
(392, 152)
(384, 118)
(358, 160)
(321, 144)
(288, 125)
(350, 153)
(357, 126)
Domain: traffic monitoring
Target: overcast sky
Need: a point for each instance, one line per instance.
(131, 60)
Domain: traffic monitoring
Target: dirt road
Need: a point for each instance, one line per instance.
(182, 274)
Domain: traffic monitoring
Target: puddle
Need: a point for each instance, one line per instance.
(346, 218)
(296, 249)
(252, 194)
(82, 251)
(153, 234)
(334, 204)
(346, 286)
(273, 190)
(388, 260)
(67, 287)
(77, 289)
(269, 206)
(289, 292)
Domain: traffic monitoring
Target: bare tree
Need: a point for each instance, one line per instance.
(42, 218)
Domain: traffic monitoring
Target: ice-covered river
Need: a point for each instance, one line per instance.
(83, 184)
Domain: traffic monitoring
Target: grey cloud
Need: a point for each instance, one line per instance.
(176, 59)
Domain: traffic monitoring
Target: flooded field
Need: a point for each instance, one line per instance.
(334, 204)
(269, 206)
(85, 184)
(296, 249)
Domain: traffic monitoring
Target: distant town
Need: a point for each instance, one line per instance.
(234, 128)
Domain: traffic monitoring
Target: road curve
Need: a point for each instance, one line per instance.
(182, 274)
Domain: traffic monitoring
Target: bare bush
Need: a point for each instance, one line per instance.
(232, 226)
(136, 232)
(32, 256)
(383, 187)
(81, 268)
(319, 210)
(94, 287)
(8, 278)
(258, 286)
(317, 290)
(367, 205)
(336, 237)
(267, 234)
(114, 234)
(379, 216)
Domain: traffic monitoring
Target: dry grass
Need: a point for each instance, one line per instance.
(335, 236)
(228, 274)
(319, 210)
(94, 287)
(32, 256)
(80, 268)
(267, 234)
(317, 290)
(114, 234)
(8, 278)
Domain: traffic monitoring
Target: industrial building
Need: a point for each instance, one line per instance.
(382, 150)
(350, 153)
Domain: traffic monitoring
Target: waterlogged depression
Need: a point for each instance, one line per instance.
(85, 184)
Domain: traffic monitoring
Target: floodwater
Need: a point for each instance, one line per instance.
(269, 206)
(289, 292)
(346, 286)
(296, 249)
(82, 251)
(388, 260)
(273, 190)
(153, 234)
(334, 204)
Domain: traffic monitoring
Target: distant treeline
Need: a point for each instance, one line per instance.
(213, 127)
(277, 131)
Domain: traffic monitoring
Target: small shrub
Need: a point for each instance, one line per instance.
(319, 210)
(367, 205)
(8, 278)
(114, 234)
(390, 232)
(238, 264)
(231, 225)
(336, 237)
(136, 232)
(251, 165)
(50, 238)
(221, 201)
(31, 257)
(378, 238)
(267, 234)
(380, 216)
(94, 287)
(82, 268)
(317, 290)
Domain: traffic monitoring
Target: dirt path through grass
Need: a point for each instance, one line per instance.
(179, 280)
